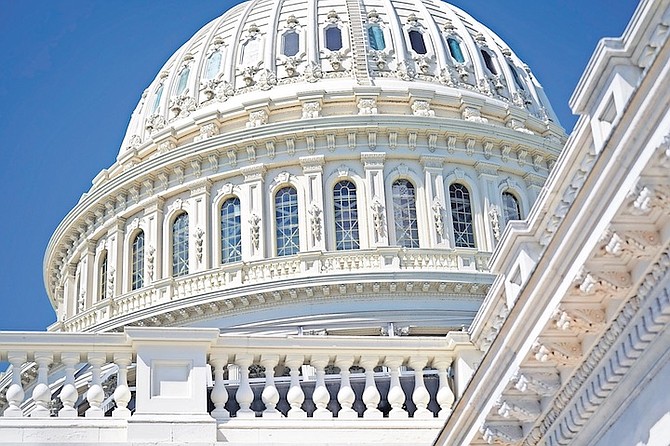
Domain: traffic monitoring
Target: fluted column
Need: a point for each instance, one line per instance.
(445, 396)
(295, 395)
(244, 395)
(345, 396)
(270, 395)
(321, 396)
(219, 395)
(396, 396)
(15, 393)
(42, 392)
(420, 396)
(371, 395)
(95, 395)
(122, 392)
(69, 394)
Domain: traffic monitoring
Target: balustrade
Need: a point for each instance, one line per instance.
(350, 377)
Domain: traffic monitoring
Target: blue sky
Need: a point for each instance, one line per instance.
(73, 70)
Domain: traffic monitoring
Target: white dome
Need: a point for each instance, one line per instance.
(267, 182)
(267, 52)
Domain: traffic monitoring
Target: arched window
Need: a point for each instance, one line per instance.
(455, 50)
(137, 262)
(231, 231)
(376, 38)
(510, 205)
(404, 214)
(461, 216)
(286, 218)
(180, 245)
(102, 276)
(213, 65)
(346, 216)
(517, 79)
(290, 43)
(157, 99)
(333, 38)
(183, 80)
(488, 61)
(417, 42)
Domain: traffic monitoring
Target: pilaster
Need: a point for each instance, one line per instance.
(200, 227)
(435, 201)
(375, 198)
(312, 168)
(253, 213)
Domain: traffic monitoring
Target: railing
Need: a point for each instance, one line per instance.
(328, 377)
(275, 269)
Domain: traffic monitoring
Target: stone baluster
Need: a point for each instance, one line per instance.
(420, 396)
(219, 393)
(270, 395)
(122, 392)
(321, 396)
(396, 396)
(95, 395)
(244, 395)
(69, 394)
(15, 393)
(42, 391)
(295, 395)
(345, 396)
(445, 396)
(371, 395)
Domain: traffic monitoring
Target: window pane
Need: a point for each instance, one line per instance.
(251, 52)
(291, 44)
(213, 65)
(376, 38)
(461, 215)
(183, 80)
(416, 40)
(286, 217)
(102, 277)
(455, 50)
(346, 216)
(157, 99)
(137, 277)
(333, 38)
(180, 245)
(404, 214)
(511, 210)
(231, 231)
(517, 79)
(488, 60)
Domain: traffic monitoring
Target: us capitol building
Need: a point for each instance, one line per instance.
(358, 222)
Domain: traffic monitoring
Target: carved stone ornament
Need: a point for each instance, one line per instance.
(257, 118)
(216, 90)
(199, 239)
(150, 261)
(473, 114)
(494, 216)
(422, 108)
(266, 79)
(311, 110)
(405, 71)
(367, 106)
(207, 131)
(313, 72)
(315, 220)
(155, 123)
(134, 143)
(165, 147)
(255, 221)
(378, 217)
(438, 215)
(182, 105)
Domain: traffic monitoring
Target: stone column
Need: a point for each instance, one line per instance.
(200, 227)
(89, 274)
(254, 218)
(153, 250)
(436, 205)
(115, 259)
(375, 198)
(312, 168)
(486, 174)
